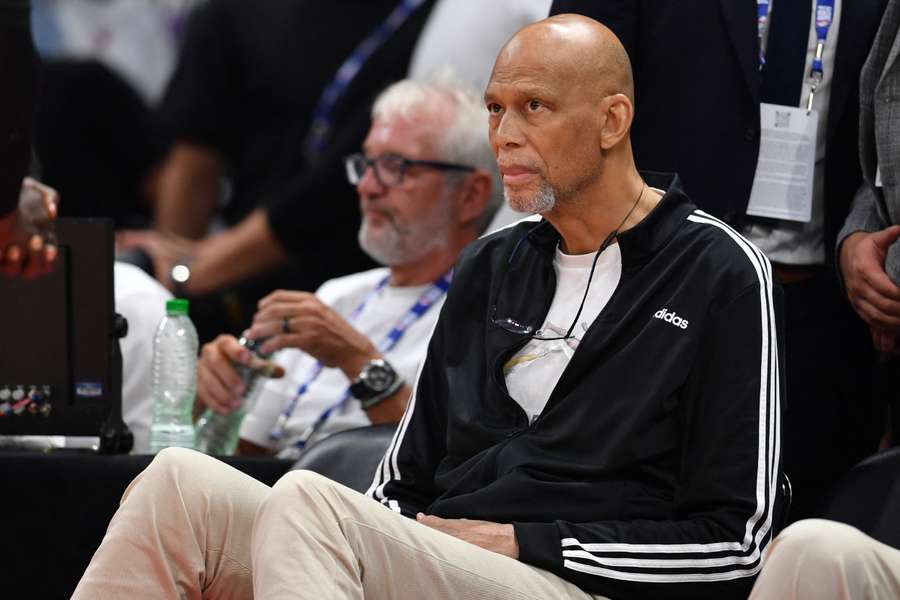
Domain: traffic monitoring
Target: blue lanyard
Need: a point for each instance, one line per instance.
(762, 23)
(322, 115)
(824, 17)
(428, 298)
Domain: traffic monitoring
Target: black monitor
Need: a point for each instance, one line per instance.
(56, 345)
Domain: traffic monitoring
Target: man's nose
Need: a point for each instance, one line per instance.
(508, 131)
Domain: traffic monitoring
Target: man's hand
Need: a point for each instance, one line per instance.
(871, 292)
(496, 537)
(165, 249)
(300, 320)
(218, 384)
(27, 244)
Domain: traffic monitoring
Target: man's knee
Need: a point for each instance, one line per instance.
(303, 481)
(821, 543)
(174, 461)
(303, 490)
(176, 468)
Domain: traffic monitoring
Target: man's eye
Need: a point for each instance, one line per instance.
(391, 162)
(534, 105)
(494, 108)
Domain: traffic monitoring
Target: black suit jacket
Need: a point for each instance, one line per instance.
(697, 90)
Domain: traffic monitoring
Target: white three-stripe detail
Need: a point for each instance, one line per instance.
(387, 470)
(769, 441)
(769, 449)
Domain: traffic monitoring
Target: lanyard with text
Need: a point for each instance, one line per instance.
(428, 298)
(824, 17)
(321, 122)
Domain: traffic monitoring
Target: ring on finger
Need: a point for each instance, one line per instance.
(286, 325)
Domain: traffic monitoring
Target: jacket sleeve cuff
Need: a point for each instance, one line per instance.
(539, 545)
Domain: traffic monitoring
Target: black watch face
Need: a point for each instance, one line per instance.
(379, 378)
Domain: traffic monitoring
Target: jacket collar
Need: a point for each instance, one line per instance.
(643, 240)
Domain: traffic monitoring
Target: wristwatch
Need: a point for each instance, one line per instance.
(376, 381)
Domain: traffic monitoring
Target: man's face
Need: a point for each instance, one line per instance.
(403, 223)
(544, 129)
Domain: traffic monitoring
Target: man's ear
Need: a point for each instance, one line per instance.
(619, 112)
(474, 196)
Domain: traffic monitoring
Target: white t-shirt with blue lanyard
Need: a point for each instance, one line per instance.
(378, 317)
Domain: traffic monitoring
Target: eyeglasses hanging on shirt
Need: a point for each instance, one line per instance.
(513, 325)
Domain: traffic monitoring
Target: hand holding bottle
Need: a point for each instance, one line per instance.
(219, 384)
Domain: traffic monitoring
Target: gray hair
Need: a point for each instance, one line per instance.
(464, 140)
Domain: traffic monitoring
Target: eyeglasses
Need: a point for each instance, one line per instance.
(513, 325)
(389, 169)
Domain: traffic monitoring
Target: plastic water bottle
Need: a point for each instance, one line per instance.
(218, 434)
(174, 379)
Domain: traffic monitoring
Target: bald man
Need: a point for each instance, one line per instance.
(597, 415)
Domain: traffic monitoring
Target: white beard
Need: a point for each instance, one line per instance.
(542, 201)
(392, 245)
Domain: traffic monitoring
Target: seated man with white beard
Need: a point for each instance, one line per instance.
(426, 183)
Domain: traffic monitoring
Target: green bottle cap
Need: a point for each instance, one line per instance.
(177, 306)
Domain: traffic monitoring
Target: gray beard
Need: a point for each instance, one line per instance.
(392, 248)
(542, 201)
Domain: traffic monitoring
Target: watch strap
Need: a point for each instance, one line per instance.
(375, 400)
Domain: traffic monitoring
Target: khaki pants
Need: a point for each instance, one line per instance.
(824, 560)
(190, 526)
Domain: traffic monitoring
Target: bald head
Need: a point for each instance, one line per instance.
(581, 51)
(561, 104)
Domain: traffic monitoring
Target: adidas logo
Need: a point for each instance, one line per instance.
(670, 317)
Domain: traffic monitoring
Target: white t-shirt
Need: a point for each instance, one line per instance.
(534, 371)
(379, 316)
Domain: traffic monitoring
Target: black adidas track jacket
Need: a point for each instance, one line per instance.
(652, 471)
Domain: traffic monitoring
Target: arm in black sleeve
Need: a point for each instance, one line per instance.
(17, 99)
(320, 202)
(404, 481)
(200, 102)
(722, 518)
